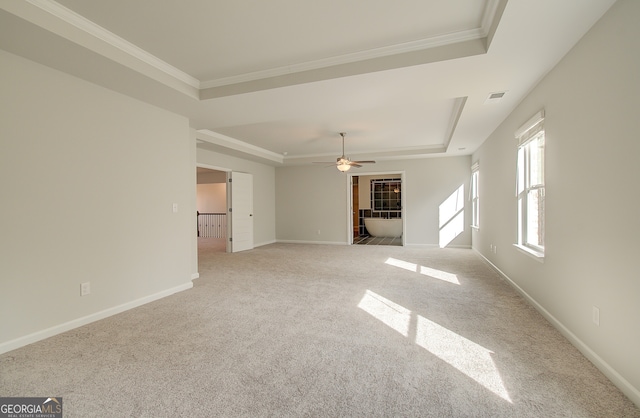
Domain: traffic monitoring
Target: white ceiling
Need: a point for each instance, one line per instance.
(277, 81)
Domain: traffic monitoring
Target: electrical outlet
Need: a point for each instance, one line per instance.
(495, 249)
(85, 288)
(596, 315)
(318, 232)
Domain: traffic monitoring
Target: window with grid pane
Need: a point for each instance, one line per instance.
(531, 186)
(475, 198)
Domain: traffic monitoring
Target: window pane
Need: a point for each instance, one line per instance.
(386, 195)
(520, 218)
(521, 169)
(474, 185)
(475, 217)
(535, 217)
(536, 152)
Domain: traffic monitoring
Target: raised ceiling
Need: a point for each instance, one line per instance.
(277, 81)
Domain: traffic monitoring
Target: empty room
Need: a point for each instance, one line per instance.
(417, 208)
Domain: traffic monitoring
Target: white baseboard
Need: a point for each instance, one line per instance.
(406, 244)
(287, 241)
(59, 329)
(260, 244)
(623, 384)
(409, 245)
(195, 276)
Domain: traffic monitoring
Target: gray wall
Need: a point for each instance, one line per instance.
(311, 198)
(88, 179)
(592, 200)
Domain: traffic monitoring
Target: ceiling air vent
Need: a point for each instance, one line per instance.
(495, 97)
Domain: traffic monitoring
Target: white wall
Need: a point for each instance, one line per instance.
(310, 198)
(592, 199)
(212, 198)
(88, 179)
(212, 176)
(263, 189)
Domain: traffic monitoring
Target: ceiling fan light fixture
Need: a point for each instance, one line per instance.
(343, 167)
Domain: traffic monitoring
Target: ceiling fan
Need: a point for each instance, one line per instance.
(343, 163)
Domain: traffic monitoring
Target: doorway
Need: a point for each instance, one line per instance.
(224, 203)
(211, 210)
(376, 208)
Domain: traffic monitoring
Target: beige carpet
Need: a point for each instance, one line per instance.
(319, 330)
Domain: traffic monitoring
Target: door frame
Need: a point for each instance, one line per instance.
(349, 180)
(227, 171)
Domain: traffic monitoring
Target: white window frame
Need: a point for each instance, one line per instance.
(530, 186)
(475, 197)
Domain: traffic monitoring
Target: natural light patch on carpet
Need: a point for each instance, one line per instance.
(389, 313)
(426, 271)
(466, 356)
(470, 358)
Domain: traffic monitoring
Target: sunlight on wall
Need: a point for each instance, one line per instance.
(387, 312)
(425, 271)
(451, 217)
(466, 356)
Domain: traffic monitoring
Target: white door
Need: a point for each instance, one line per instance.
(241, 211)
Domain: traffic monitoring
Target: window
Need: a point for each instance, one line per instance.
(530, 185)
(475, 200)
(385, 195)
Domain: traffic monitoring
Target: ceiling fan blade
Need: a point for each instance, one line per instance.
(364, 162)
(325, 163)
(354, 164)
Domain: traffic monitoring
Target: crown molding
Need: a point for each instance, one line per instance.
(490, 14)
(458, 107)
(488, 18)
(227, 142)
(85, 25)
(384, 155)
(63, 14)
(407, 47)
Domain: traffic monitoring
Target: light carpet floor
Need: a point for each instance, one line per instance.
(320, 330)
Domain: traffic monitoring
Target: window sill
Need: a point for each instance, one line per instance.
(536, 255)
